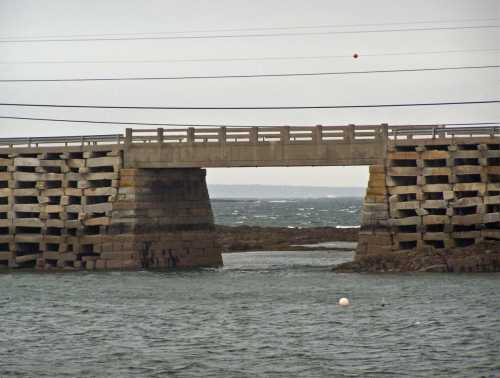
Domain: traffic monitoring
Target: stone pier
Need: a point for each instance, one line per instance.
(80, 209)
(433, 197)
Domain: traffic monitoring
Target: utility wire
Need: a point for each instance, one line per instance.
(338, 73)
(245, 59)
(224, 36)
(418, 104)
(210, 125)
(257, 28)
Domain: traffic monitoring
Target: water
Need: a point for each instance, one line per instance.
(265, 314)
(311, 212)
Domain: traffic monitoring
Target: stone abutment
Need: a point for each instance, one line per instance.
(81, 209)
(428, 201)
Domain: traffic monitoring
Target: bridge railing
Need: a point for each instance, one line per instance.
(398, 133)
(79, 140)
(256, 135)
(281, 134)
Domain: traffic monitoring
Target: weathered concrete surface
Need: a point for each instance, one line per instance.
(271, 154)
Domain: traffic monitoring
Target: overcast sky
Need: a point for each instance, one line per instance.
(20, 18)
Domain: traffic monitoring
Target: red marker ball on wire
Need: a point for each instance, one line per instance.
(355, 55)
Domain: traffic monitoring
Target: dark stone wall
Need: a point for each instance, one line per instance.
(162, 219)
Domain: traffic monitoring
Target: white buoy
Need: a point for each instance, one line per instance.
(344, 302)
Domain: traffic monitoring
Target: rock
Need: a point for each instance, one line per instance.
(481, 257)
(435, 268)
(253, 238)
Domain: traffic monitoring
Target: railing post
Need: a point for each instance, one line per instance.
(349, 133)
(254, 135)
(384, 131)
(318, 134)
(441, 132)
(222, 135)
(160, 135)
(128, 137)
(285, 135)
(382, 138)
(190, 134)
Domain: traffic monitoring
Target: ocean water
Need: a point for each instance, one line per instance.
(265, 314)
(302, 212)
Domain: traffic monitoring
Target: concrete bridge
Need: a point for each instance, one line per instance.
(114, 201)
(209, 147)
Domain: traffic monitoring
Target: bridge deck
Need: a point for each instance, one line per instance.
(253, 146)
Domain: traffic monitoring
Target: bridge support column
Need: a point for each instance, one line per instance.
(162, 219)
(433, 206)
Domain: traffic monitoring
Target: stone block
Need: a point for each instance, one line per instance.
(492, 200)
(448, 195)
(100, 264)
(26, 176)
(467, 219)
(436, 188)
(26, 258)
(467, 201)
(437, 171)
(101, 176)
(434, 204)
(403, 171)
(491, 217)
(73, 192)
(435, 155)
(26, 162)
(403, 155)
(475, 186)
(114, 161)
(435, 219)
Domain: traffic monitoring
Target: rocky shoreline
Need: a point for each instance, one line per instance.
(254, 238)
(481, 257)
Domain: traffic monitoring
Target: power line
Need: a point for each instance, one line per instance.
(258, 28)
(239, 59)
(338, 73)
(224, 36)
(135, 107)
(198, 124)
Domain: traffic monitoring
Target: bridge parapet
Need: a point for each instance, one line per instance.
(257, 135)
